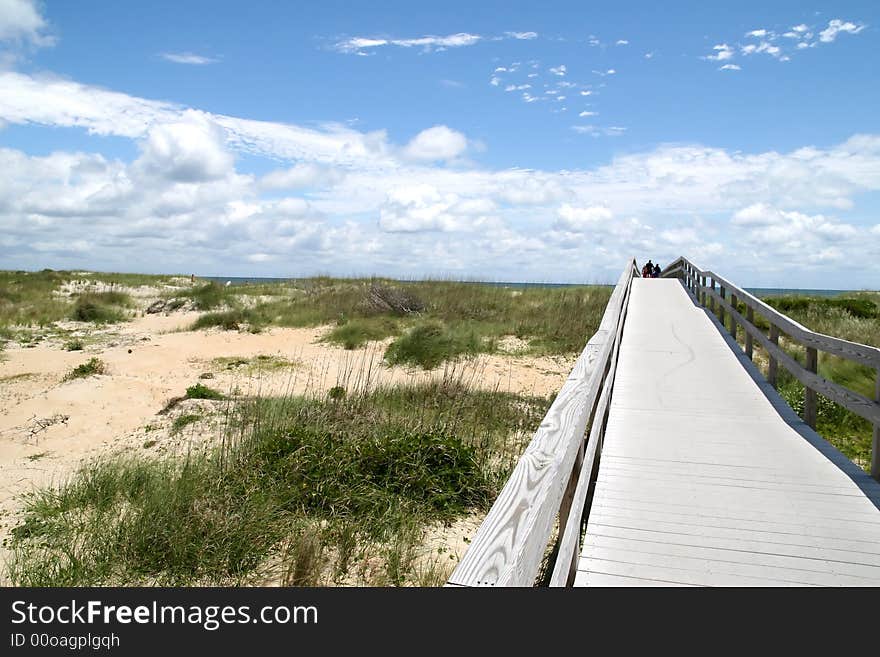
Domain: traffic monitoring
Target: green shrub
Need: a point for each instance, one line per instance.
(199, 391)
(74, 345)
(208, 296)
(90, 368)
(230, 320)
(100, 308)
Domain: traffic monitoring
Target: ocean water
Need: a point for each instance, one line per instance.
(757, 291)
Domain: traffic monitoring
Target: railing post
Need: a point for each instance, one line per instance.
(750, 316)
(809, 393)
(703, 290)
(771, 368)
(711, 298)
(733, 324)
(875, 443)
(721, 315)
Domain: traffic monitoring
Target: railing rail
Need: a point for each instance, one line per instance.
(709, 289)
(556, 472)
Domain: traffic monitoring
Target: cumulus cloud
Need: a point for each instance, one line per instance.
(190, 150)
(558, 70)
(188, 58)
(353, 201)
(301, 176)
(437, 143)
(581, 219)
(621, 42)
(21, 23)
(774, 227)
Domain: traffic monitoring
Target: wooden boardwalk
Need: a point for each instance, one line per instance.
(706, 478)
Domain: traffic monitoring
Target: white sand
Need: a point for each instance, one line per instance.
(48, 426)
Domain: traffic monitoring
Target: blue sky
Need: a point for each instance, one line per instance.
(504, 141)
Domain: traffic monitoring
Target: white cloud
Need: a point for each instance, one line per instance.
(527, 36)
(191, 150)
(723, 52)
(759, 34)
(367, 205)
(586, 92)
(301, 176)
(437, 143)
(836, 27)
(428, 43)
(582, 219)
(495, 81)
(790, 229)
(730, 67)
(763, 47)
(559, 70)
(188, 58)
(358, 45)
(621, 42)
(517, 87)
(63, 103)
(599, 131)
(21, 23)
(649, 55)
(586, 113)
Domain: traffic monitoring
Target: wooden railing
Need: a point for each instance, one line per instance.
(556, 472)
(709, 289)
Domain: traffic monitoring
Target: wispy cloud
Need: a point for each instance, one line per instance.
(836, 27)
(730, 67)
(621, 42)
(428, 43)
(522, 36)
(599, 131)
(188, 58)
(558, 70)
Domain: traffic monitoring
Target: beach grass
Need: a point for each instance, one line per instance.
(855, 317)
(338, 490)
(454, 318)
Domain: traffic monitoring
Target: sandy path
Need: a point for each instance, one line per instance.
(149, 361)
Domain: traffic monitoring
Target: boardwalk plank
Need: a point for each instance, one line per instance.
(706, 480)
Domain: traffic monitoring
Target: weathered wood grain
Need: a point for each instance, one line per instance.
(569, 545)
(509, 545)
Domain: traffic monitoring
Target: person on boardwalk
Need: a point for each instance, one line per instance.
(648, 270)
(656, 271)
